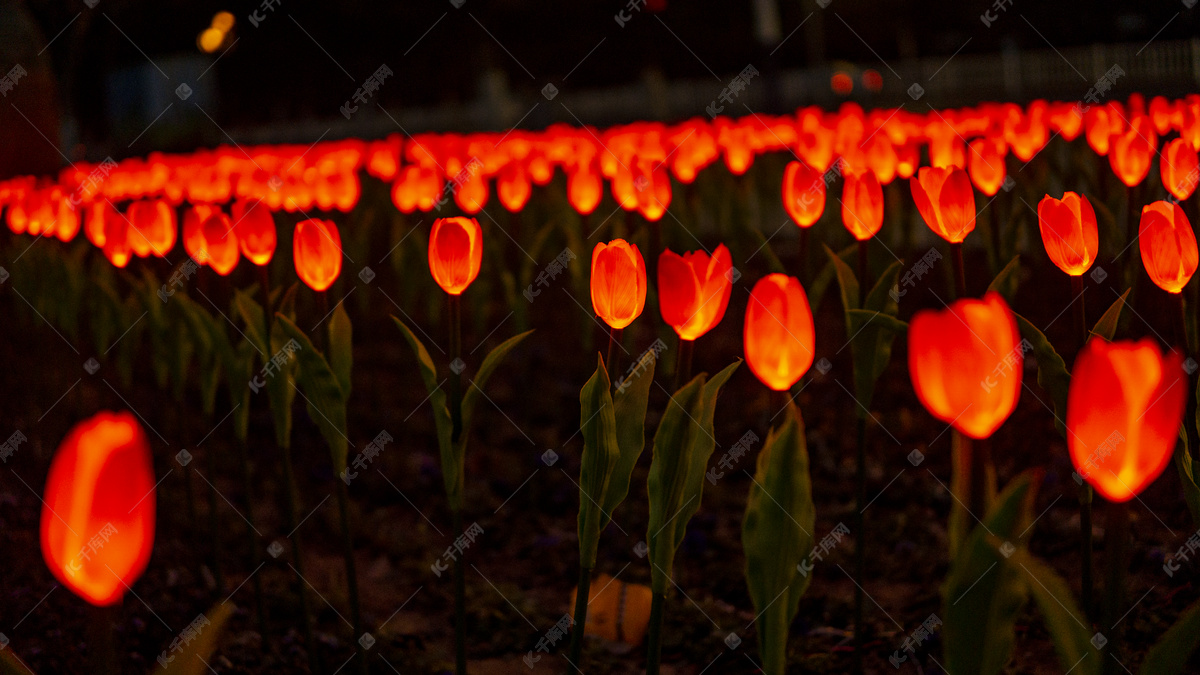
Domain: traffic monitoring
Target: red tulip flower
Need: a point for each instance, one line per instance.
(455, 253)
(1180, 168)
(117, 231)
(97, 527)
(154, 227)
(513, 186)
(1168, 246)
(255, 230)
(985, 164)
(1130, 152)
(1069, 232)
(946, 201)
(317, 252)
(803, 193)
(965, 363)
(193, 231)
(693, 290)
(778, 335)
(1124, 409)
(584, 188)
(220, 243)
(862, 204)
(618, 282)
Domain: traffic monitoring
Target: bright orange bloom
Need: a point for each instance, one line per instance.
(693, 290)
(778, 335)
(1069, 232)
(455, 253)
(946, 201)
(1130, 152)
(317, 252)
(100, 489)
(1100, 123)
(653, 187)
(803, 193)
(1180, 168)
(255, 230)
(1124, 408)
(618, 282)
(193, 231)
(1168, 246)
(985, 164)
(961, 361)
(93, 224)
(513, 186)
(584, 188)
(862, 204)
(154, 227)
(220, 243)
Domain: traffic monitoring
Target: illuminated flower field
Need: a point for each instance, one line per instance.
(859, 387)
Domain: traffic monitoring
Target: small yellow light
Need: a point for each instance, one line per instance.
(222, 21)
(210, 40)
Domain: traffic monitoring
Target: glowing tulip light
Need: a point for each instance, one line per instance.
(455, 253)
(618, 282)
(317, 252)
(778, 335)
(693, 290)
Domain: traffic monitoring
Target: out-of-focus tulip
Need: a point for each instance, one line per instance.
(653, 186)
(693, 290)
(965, 363)
(1180, 168)
(1069, 232)
(117, 248)
(472, 192)
(778, 334)
(513, 186)
(1100, 122)
(93, 222)
(946, 201)
(1168, 246)
(154, 227)
(255, 230)
(1066, 119)
(193, 231)
(1130, 152)
(1124, 408)
(455, 253)
(803, 193)
(317, 251)
(97, 527)
(584, 188)
(618, 282)
(220, 243)
(985, 164)
(862, 204)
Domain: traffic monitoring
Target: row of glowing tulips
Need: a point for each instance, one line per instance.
(102, 473)
(638, 160)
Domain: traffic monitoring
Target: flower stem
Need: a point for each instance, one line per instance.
(863, 270)
(460, 604)
(455, 305)
(960, 279)
(614, 340)
(804, 255)
(859, 539)
(101, 645)
(1081, 329)
(351, 573)
(683, 364)
(315, 662)
(654, 641)
(1116, 555)
(1085, 490)
(582, 599)
(255, 553)
(264, 277)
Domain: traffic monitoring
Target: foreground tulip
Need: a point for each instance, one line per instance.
(455, 253)
(803, 193)
(317, 251)
(618, 282)
(220, 243)
(1179, 167)
(693, 290)
(1168, 246)
(97, 525)
(946, 201)
(778, 335)
(862, 204)
(965, 363)
(255, 231)
(1124, 408)
(1069, 232)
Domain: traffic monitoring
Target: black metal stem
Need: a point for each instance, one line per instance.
(960, 278)
(683, 364)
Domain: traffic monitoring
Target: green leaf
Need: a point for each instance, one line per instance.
(254, 320)
(885, 321)
(777, 535)
(1068, 629)
(600, 457)
(847, 282)
(195, 655)
(1187, 476)
(870, 341)
(1053, 376)
(1006, 281)
(984, 591)
(489, 365)
(1106, 327)
(816, 290)
(629, 403)
(324, 396)
(452, 461)
(341, 355)
(682, 445)
(281, 388)
(879, 298)
(1171, 653)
